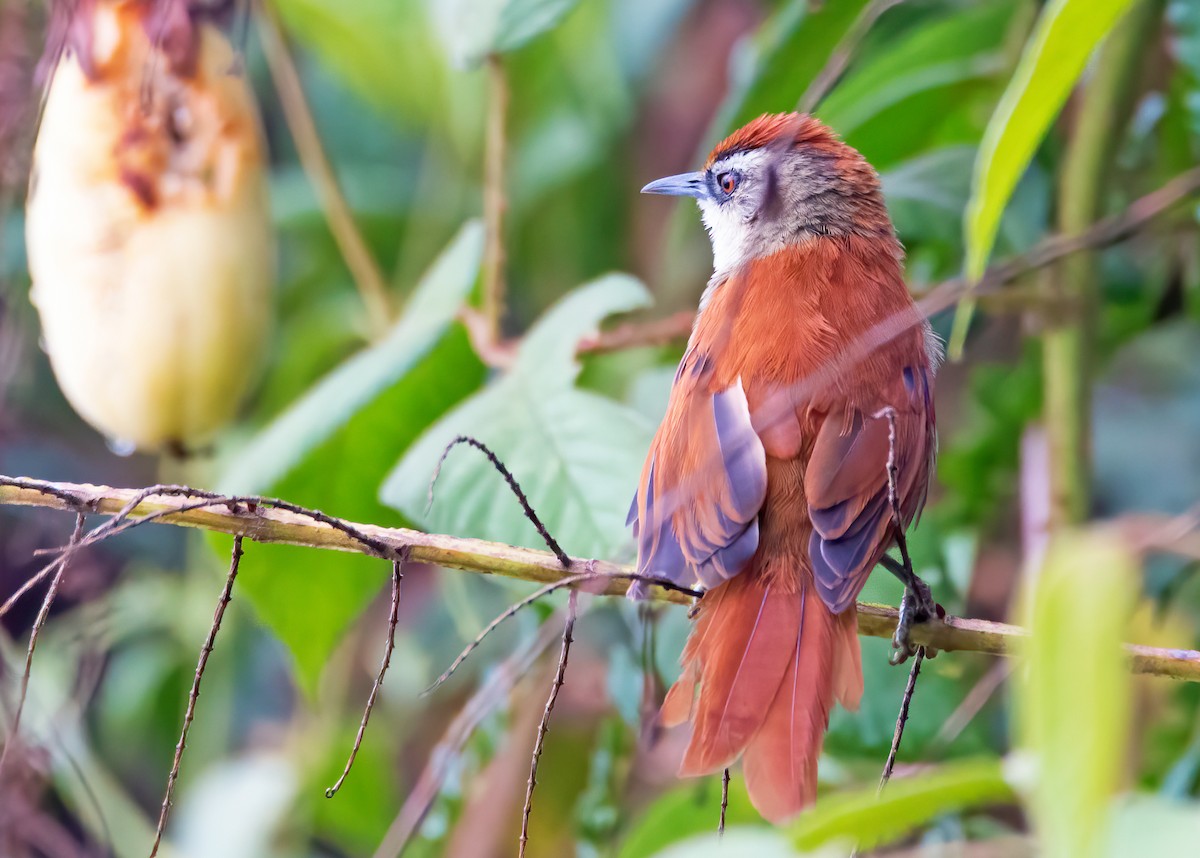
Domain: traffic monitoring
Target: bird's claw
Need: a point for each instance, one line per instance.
(916, 607)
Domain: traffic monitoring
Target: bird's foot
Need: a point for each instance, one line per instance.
(916, 607)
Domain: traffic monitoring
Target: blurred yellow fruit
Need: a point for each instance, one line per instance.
(148, 230)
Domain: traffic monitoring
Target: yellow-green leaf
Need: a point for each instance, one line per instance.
(1074, 698)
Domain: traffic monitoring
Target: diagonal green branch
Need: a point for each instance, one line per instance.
(261, 522)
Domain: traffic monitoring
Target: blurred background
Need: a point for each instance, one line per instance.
(447, 131)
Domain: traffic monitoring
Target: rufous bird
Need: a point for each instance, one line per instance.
(807, 378)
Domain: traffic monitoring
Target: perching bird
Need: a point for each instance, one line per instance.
(767, 486)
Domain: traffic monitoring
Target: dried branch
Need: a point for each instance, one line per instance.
(368, 278)
(544, 725)
(261, 520)
(724, 801)
(235, 558)
(513, 486)
(489, 696)
(902, 717)
(947, 293)
(388, 647)
(60, 569)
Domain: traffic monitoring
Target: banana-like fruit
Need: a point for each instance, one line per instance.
(147, 226)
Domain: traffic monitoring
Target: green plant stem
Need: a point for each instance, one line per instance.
(365, 271)
(495, 201)
(1067, 345)
(262, 523)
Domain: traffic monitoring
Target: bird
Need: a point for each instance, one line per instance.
(798, 444)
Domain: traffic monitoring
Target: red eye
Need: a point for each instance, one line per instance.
(727, 181)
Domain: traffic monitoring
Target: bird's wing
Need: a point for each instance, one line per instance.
(846, 482)
(695, 516)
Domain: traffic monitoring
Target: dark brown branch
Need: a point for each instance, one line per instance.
(489, 696)
(902, 717)
(513, 486)
(724, 801)
(544, 725)
(235, 558)
(388, 647)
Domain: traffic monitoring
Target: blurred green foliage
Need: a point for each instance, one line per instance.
(959, 105)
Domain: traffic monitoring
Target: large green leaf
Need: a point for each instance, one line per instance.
(331, 449)
(1075, 703)
(331, 402)
(683, 813)
(1066, 33)
(576, 454)
(473, 29)
(378, 47)
(871, 820)
(789, 52)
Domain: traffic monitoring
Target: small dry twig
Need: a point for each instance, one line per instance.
(546, 590)
(555, 686)
(235, 558)
(389, 646)
(724, 801)
(902, 544)
(902, 717)
(513, 486)
(491, 694)
(60, 567)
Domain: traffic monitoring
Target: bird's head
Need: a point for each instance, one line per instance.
(780, 180)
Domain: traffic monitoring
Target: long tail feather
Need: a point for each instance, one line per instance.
(769, 663)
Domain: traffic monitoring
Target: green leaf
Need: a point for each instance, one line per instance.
(577, 455)
(331, 448)
(872, 820)
(683, 813)
(473, 29)
(1066, 33)
(330, 404)
(790, 51)
(737, 841)
(378, 47)
(1075, 703)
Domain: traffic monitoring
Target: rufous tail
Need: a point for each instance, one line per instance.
(769, 661)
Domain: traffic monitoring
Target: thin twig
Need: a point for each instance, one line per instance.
(513, 486)
(372, 286)
(943, 295)
(842, 54)
(544, 725)
(724, 802)
(902, 717)
(494, 198)
(235, 558)
(44, 613)
(494, 691)
(902, 544)
(388, 647)
(257, 520)
(512, 610)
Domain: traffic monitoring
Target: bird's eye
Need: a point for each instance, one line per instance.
(728, 182)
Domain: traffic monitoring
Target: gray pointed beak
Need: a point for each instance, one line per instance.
(683, 185)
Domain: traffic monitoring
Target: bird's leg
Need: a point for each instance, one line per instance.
(916, 606)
